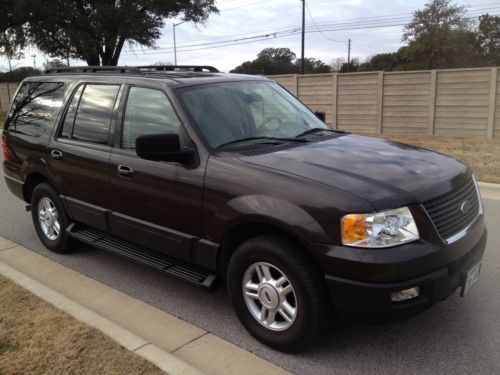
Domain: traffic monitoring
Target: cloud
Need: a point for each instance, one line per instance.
(245, 18)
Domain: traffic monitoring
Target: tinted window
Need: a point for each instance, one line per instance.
(93, 116)
(69, 119)
(148, 111)
(35, 106)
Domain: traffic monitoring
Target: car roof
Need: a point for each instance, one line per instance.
(174, 76)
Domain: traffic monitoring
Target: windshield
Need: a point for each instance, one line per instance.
(235, 111)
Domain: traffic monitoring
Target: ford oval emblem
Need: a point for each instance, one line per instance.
(465, 206)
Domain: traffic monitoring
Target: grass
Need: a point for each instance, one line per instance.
(481, 154)
(37, 338)
(7, 345)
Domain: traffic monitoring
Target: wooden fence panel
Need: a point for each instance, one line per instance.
(496, 122)
(406, 102)
(357, 102)
(465, 101)
(288, 81)
(462, 102)
(316, 91)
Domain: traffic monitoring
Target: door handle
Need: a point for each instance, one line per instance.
(125, 170)
(56, 154)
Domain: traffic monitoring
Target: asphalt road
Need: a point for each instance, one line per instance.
(457, 336)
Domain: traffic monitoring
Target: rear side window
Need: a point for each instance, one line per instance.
(69, 119)
(89, 114)
(35, 107)
(148, 111)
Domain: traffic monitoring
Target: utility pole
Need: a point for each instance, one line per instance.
(174, 25)
(303, 35)
(349, 55)
(175, 46)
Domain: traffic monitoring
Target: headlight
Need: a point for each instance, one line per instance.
(381, 229)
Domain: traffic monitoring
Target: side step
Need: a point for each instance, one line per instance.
(153, 259)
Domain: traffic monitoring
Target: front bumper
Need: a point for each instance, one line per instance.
(372, 300)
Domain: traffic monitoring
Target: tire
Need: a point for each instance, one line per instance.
(307, 300)
(47, 209)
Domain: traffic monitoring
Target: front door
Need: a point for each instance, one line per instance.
(154, 204)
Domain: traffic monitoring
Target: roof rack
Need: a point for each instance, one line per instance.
(173, 68)
(132, 69)
(92, 69)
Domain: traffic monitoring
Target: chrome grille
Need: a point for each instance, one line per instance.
(454, 211)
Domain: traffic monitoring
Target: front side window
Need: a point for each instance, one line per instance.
(148, 111)
(34, 107)
(234, 111)
(89, 114)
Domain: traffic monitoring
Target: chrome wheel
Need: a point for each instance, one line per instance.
(269, 296)
(48, 218)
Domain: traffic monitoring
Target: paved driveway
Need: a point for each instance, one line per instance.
(457, 336)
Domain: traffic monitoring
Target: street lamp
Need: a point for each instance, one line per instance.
(174, 25)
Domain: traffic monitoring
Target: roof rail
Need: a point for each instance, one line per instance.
(92, 69)
(171, 68)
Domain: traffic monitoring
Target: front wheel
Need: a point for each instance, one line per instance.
(277, 293)
(50, 219)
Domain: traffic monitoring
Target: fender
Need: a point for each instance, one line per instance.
(270, 210)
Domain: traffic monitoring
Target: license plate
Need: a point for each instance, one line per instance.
(471, 278)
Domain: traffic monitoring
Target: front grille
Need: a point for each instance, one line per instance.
(454, 211)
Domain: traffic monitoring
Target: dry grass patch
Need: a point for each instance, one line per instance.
(482, 155)
(37, 338)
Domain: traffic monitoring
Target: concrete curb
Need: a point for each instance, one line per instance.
(173, 345)
(489, 190)
(159, 357)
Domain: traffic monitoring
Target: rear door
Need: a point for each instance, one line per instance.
(79, 153)
(154, 204)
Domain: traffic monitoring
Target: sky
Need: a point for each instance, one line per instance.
(244, 27)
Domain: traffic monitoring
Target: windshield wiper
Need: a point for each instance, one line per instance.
(317, 130)
(263, 138)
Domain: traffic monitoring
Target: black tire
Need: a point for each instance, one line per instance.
(310, 297)
(63, 243)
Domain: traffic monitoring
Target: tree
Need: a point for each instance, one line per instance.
(9, 47)
(269, 61)
(312, 66)
(488, 38)
(439, 36)
(55, 63)
(383, 61)
(272, 61)
(336, 64)
(17, 75)
(96, 30)
(353, 66)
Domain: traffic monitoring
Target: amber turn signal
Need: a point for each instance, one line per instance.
(353, 228)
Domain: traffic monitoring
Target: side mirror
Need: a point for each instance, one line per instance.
(321, 114)
(162, 147)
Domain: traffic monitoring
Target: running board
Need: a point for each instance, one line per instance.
(141, 255)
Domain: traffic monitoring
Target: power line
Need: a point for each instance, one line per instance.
(244, 6)
(280, 34)
(317, 27)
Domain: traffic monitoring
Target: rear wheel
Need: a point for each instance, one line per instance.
(277, 293)
(50, 219)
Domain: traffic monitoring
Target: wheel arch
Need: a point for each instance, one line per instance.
(31, 181)
(245, 230)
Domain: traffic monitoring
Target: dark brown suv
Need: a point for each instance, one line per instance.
(208, 176)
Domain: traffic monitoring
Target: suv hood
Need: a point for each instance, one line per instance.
(387, 174)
